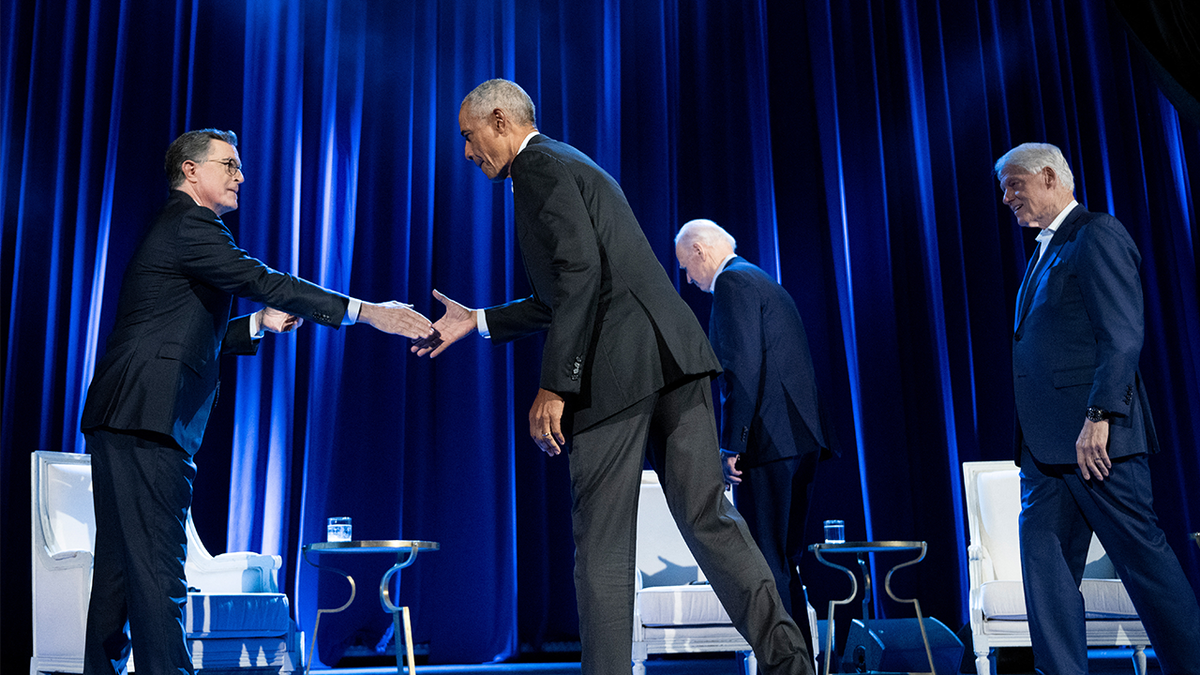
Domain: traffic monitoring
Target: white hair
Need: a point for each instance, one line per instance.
(1033, 157)
(705, 231)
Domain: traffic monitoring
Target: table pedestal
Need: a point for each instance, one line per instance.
(861, 549)
(406, 553)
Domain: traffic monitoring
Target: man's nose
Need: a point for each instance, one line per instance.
(467, 152)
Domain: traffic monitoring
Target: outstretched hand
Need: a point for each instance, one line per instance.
(278, 321)
(455, 324)
(396, 318)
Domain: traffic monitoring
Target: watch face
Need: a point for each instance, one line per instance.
(1096, 414)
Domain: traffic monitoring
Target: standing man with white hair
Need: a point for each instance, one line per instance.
(1084, 430)
(772, 424)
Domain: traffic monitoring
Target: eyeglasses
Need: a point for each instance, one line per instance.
(231, 166)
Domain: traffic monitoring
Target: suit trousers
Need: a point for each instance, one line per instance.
(773, 498)
(1059, 512)
(676, 426)
(142, 487)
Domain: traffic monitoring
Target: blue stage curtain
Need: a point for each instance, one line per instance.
(847, 144)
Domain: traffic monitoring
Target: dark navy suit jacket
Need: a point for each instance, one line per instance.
(1077, 339)
(768, 387)
(159, 371)
(616, 328)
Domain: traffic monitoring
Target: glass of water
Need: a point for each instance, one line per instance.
(835, 532)
(338, 528)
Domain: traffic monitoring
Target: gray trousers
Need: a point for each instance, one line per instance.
(677, 429)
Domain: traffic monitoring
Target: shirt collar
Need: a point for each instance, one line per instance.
(525, 142)
(1048, 233)
(720, 268)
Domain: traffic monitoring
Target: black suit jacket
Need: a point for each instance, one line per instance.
(768, 388)
(1077, 339)
(159, 372)
(616, 328)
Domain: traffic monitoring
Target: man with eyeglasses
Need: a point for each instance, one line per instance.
(151, 395)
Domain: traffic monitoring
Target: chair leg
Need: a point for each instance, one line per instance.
(983, 664)
(1139, 659)
(751, 664)
(639, 667)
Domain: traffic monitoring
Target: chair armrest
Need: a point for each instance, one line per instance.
(237, 572)
(979, 566)
(65, 560)
(639, 631)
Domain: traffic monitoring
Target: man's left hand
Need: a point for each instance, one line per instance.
(1091, 450)
(278, 321)
(545, 422)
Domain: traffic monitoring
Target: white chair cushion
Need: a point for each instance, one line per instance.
(1102, 599)
(691, 605)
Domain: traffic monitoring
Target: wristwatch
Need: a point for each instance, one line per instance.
(1095, 414)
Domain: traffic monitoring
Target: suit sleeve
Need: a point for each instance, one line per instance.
(517, 319)
(237, 340)
(739, 346)
(1112, 295)
(209, 253)
(555, 230)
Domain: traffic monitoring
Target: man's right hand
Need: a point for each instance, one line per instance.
(396, 318)
(457, 323)
(729, 468)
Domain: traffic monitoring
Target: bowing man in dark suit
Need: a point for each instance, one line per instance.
(1084, 429)
(625, 369)
(151, 395)
(772, 433)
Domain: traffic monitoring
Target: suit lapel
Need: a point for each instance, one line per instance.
(1036, 272)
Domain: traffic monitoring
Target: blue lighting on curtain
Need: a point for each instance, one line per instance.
(846, 143)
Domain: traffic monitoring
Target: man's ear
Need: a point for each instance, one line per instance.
(188, 167)
(1049, 177)
(499, 121)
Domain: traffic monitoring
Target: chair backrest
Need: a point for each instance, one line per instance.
(662, 556)
(62, 490)
(993, 496)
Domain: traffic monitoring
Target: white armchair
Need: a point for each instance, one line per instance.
(671, 613)
(236, 618)
(997, 597)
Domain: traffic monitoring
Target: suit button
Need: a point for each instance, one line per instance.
(1017, 337)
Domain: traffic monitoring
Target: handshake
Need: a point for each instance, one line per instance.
(397, 318)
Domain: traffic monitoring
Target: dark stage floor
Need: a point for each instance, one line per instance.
(1102, 662)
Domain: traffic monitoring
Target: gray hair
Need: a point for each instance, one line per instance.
(192, 145)
(1033, 157)
(705, 231)
(505, 95)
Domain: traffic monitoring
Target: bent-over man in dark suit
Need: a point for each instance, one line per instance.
(772, 431)
(151, 395)
(1084, 429)
(625, 366)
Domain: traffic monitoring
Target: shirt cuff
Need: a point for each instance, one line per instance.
(256, 330)
(352, 309)
(481, 323)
